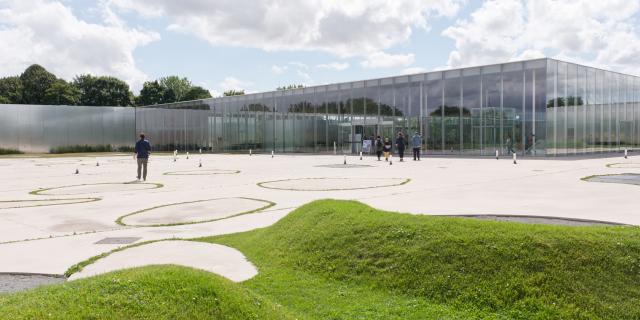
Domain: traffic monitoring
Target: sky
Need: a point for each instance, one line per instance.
(258, 45)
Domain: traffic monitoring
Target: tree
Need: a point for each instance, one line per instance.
(232, 92)
(103, 91)
(11, 89)
(152, 93)
(4, 100)
(291, 86)
(62, 93)
(176, 87)
(196, 93)
(35, 81)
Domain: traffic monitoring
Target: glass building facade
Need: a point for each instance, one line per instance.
(540, 107)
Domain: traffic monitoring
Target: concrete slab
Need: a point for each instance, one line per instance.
(227, 262)
(332, 184)
(194, 211)
(50, 239)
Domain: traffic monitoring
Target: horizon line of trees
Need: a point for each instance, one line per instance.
(36, 85)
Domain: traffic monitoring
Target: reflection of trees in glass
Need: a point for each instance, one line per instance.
(255, 107)
(300, 107)
(365, 105)
(450, 111)
(359, 105)
(570, 101)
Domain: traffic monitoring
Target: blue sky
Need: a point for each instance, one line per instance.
(258, 45)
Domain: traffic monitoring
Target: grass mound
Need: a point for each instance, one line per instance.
(155, 292)
(344, 260)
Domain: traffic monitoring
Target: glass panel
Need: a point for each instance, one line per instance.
(513, 112)
(452, 114)
(491, 101)
(434, 137)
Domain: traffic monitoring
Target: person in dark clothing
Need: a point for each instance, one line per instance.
(379, 147)
(400, 145)
(143, 150)
(387, 149)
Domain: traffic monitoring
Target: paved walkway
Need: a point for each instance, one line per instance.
(50, 239)
(225, 261)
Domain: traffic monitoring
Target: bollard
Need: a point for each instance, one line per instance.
(514, 158)
(345, 159)
(626, 153)
(187, 155)
(497, 155)
(200, 164)
(200, 150)
(390, 159)
(335, 150)
(250, 153)
(175, 155)
(360, 155)
(271, 153)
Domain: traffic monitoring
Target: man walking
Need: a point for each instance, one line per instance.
(143, 149)
(416, 144)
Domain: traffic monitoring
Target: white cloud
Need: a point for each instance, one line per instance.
(338, 66)
(599, 33)
(384, 60)
(343, 28)
(48, 33)
(278, 70)
(299, 65)
(232, 83)
(307, 80)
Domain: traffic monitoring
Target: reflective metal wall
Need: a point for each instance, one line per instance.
(473, 111)
(537, 108)
(591, 110)
(40, 128)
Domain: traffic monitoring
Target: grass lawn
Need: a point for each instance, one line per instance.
(344, 260)
(154, 292)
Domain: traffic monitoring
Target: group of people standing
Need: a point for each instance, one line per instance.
(384, 147)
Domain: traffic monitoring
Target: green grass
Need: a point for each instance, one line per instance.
(155, 292)
(4, 151)
(344, 260)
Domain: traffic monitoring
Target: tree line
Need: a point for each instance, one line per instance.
(36, 85)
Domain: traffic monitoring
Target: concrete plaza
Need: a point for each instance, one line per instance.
(52, 218)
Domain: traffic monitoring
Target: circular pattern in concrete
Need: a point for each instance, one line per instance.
(193, 212)
(203, 172)
(332, 184)
(17, 204)
(624, 165)
(96, 188)
(623, 178)
(544, 220)
(343, 166)
(222, 260)
(14, 282)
